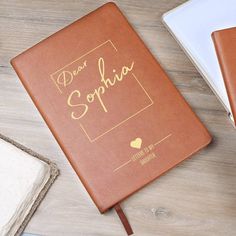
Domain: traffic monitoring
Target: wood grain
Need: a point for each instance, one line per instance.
(196, 198)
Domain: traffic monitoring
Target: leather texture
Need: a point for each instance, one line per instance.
(225, 45)
(114, 112)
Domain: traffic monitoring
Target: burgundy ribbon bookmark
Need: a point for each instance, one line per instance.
(123, 219)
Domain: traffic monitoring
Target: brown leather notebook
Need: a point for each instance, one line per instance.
(118, 118)
(225, 45)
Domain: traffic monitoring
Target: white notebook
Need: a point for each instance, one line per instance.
(192, 24)
(22, 179)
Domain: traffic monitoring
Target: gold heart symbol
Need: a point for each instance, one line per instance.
(137, 143)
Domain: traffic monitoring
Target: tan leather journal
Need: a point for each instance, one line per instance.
(118, 118)
(225, 45)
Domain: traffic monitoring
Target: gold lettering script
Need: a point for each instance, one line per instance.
(66, 77)
(96, 94)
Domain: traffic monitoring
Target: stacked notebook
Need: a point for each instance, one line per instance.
(225, 44)
(25, 177)
(114, 112)
(192, 25)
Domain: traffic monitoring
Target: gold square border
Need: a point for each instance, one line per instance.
(82, 127)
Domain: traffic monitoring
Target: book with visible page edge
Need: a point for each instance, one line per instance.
(110, 106)
(193, 34)
(225, 45)
(54, 172)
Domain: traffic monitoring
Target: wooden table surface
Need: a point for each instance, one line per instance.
(196, 198)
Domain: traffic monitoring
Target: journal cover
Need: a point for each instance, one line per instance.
(118, 118)
(225, 45)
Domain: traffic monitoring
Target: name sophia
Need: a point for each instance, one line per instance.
(97, 94)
